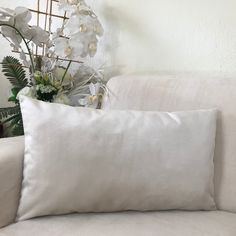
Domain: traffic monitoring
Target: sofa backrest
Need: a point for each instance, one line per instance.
(172, 93)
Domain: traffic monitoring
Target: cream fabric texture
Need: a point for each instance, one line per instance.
(11, 167)
(175, 223)
(188, 92)
(84, 160)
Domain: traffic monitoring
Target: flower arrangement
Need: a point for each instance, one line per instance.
(58, 74)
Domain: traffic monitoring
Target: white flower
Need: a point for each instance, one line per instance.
(92, 99)
(84, 29)
(62, 99)
(37, 35)
(19, 18)
(45, 88)
(68, 5)
(27, 91)
(69, 2)
(71, 5)
(72, 25)
(68, 48)
(79, 45)
(90, 24)
(11, 34)
(89, 42)
(83, 24)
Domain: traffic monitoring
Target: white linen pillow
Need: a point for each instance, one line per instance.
(85, 160)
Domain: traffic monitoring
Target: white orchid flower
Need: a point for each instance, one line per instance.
(92, 25)
(83, 24)
(11, 34)
(68, 5)
(62, 47)
(19, 18)
(22, 18)
(85, 29)
(68, 48)
(78, 46)
(37, 35)
(91, 100)
(82, 28)
(90, 44)
(72, 25)
(70, 2)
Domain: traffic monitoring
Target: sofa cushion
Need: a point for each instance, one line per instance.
(107, 161)
(186, 92)
(214, 223)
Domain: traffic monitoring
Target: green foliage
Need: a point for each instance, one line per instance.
(11, 116)
(9, 111)
(13, 98)
(13, 70)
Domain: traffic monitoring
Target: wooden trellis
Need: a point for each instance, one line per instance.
(48, 12)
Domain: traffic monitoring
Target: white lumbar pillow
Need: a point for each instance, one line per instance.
(84, 160)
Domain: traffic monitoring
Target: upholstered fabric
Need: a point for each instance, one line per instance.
(11, 163)
(174, 93)
(213, 223)
(87, 160)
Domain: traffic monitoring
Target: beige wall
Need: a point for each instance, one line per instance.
(171, 35)
(163, 35)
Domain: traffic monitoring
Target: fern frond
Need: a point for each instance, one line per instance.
(14, 71)
(9, 111)
(13, 117)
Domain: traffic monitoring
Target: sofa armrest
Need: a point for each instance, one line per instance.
(11, 164)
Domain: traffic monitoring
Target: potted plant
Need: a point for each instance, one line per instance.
(58, 74)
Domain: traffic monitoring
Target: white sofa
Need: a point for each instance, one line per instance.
(164, 93)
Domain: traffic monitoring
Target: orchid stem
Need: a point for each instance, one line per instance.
(66, 72)
(26, 44)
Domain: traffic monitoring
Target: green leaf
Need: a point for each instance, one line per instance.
(9, 111)
(13, 117)
(13, 70)
(15, 91)
(12, 99)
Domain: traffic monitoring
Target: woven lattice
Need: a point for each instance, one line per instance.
(46, 14)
